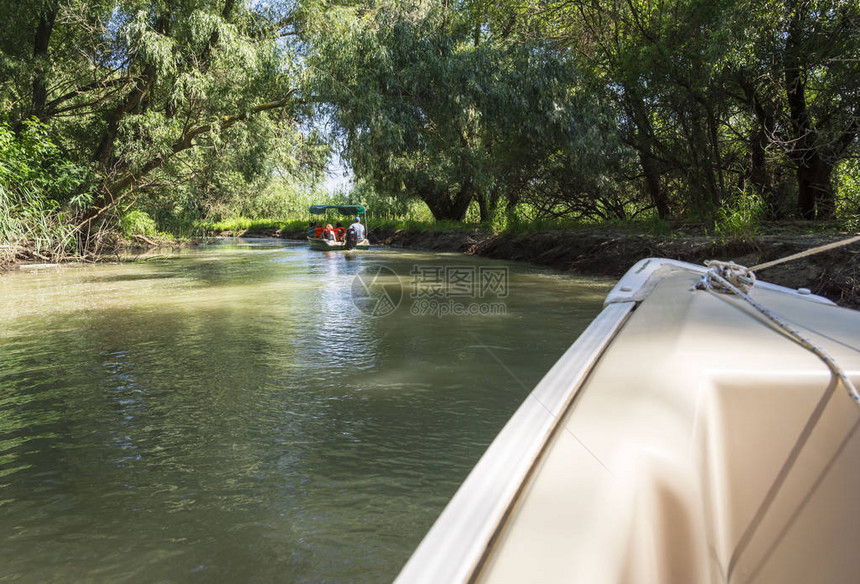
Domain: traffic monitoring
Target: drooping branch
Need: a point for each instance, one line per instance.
(53, 106)
(134, 99)
(185, 142)
(215, 37)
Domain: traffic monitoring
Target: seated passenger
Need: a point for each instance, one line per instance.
(329, 233)
(359, 229)
(339, 231)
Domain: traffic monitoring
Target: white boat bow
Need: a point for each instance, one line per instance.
(683, 438)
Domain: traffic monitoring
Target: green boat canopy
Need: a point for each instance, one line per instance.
(342, 209)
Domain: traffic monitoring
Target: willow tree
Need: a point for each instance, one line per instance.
(432, 103)
(654, 60)
(714, 93)
(798, 64)
(132, 87)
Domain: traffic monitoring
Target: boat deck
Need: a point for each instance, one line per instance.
(706, 447)
(682, 439)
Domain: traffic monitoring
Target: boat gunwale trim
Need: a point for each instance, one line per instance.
(456, 546)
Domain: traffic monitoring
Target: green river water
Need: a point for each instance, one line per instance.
(255, 411)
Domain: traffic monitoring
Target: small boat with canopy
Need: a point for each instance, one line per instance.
(322, 236)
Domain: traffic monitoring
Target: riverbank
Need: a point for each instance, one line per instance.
(608, 251)
(834, 274)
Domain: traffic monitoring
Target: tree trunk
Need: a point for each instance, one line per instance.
(488, 204)
(643, 141)
(815, 198)
(716, 154)
(756, 171)
(654, 185)
(105, 152)
(758, 175)
(443, 206)
(814, 188)
(41, 45)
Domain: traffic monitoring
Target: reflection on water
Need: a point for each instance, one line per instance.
(230, 414)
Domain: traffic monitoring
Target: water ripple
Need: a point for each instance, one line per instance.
(230, 414)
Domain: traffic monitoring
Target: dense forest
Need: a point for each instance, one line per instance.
(158, 114)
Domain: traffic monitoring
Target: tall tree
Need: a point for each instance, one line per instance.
(131, 85)
(434, 105)
(799, 61)
(707, 86)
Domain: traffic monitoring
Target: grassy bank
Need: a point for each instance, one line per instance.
(731, 225)
(242, 225)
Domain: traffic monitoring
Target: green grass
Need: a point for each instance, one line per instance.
(30, 224)
(421, 226)
(732, 225)
(515, 228)
(524, 227)
(243, 224)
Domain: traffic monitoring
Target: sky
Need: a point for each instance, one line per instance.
(338, 175)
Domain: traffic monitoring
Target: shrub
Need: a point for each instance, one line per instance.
(136, 222)
(741, 216)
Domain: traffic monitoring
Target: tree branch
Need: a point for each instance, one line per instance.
(51, 106)
(186, 141)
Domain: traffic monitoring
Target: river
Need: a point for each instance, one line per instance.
(255, 411)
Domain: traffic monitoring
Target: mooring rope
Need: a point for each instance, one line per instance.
(732, 278)
(806, 253)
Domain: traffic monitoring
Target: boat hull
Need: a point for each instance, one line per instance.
(681, 439)
(329, 245)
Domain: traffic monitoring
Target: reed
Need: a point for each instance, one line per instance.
(32, 227)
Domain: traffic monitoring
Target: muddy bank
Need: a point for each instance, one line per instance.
(834, 274)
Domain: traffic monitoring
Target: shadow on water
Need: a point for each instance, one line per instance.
(237, 414)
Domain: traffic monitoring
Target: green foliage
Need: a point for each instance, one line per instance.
(381, 205)
(658, 227)
(708, 92)
(517, 114)
(242, 224)
(33, 160)
(421, 226)
(31, 226)
(434, 106)
(39, 193)
(847, 182)
(184, 107)
(136, 222)
(740, 218)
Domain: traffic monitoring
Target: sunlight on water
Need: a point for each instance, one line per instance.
(257, 411)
